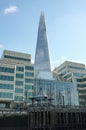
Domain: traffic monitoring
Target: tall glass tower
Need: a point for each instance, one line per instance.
(62, 92)
(42, 60)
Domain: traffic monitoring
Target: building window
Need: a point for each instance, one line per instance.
(20, 68)
(6, 86)
(18, 98)
(4, 69)
(29, 80)
(17, 58)
(64, 67)
(28, 87)
(19, 83)
(29, 94)
(18, 90)
(78, 74)
(19, 76)
(29, 74)
(29, 67)
(76, 67)
(6, 95)
(7, 78)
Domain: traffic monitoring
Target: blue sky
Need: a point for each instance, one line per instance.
(65, 23)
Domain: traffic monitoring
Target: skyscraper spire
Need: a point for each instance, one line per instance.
(42, 60)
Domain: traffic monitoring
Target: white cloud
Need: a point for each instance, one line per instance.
(11, 9)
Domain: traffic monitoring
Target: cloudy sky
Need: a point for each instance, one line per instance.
(65, 23)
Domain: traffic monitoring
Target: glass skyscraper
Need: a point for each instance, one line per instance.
(62, 92)
(42, 60)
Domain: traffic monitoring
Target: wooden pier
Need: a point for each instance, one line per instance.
(44, 118)
(57, 118)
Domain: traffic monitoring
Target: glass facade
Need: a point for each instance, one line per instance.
(42, 59)
(62, 92)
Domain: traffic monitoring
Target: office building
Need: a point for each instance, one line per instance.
(16, 79)
(76, 73)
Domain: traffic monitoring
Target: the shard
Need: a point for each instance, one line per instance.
(42, 60)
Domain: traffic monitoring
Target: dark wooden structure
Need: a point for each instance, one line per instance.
(44, 118)
(13, 120)
(57, 118)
